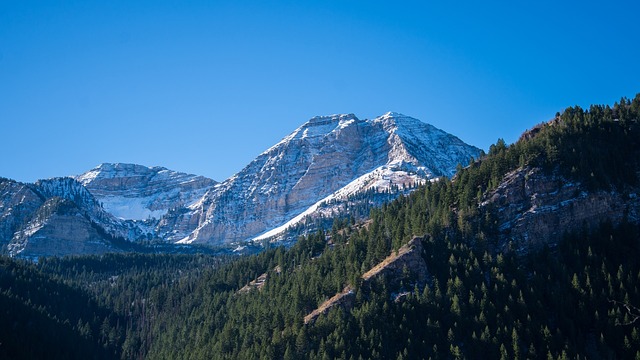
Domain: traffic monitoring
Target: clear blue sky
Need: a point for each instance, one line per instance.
(204, 87)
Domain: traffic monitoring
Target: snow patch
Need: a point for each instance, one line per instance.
(131, 208)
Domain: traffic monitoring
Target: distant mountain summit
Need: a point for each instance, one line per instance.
(316, 162)
(136, 192)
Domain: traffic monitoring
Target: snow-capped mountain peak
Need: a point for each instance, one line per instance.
(324, 125)
(119, 170)
(316, 160)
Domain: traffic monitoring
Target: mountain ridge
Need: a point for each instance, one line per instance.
(327, 166)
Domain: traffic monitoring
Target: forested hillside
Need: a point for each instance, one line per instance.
(573, 296)
(44, 318)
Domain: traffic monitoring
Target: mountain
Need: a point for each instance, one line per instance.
(329, 159)
(56, 216)
(136, 192)
(330, 166)
(531, 252)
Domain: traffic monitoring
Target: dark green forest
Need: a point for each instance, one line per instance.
(575, 297)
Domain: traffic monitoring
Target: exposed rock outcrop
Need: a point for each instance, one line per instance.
(407, 260)
(258, 283)
(342, 299)
(407, 264)
(533, 208)
(18, 202)
(59, 228)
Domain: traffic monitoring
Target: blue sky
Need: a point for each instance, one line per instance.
(204, 87)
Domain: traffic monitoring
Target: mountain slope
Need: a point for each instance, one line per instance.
(46, 318)
(56, 217)
(532, 208)
(315, 161)
(18, 201)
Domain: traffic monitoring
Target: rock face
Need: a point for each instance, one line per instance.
(258, 283)
(342, 299)
(327, 158)
(534, 208)
(18, 202)
(136, 192)
(407, 259)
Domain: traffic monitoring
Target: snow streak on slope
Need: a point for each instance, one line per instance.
(381, 179)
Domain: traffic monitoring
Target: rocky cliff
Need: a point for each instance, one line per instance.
(407, 261)
(18, 202)
(406, 266)
(59, 228)
(533, 208)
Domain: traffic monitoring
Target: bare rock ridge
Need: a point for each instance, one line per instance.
(258, 283)
(342, 299)
(59, 228)
(18, 202)
(408, 257)
(407, 261)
